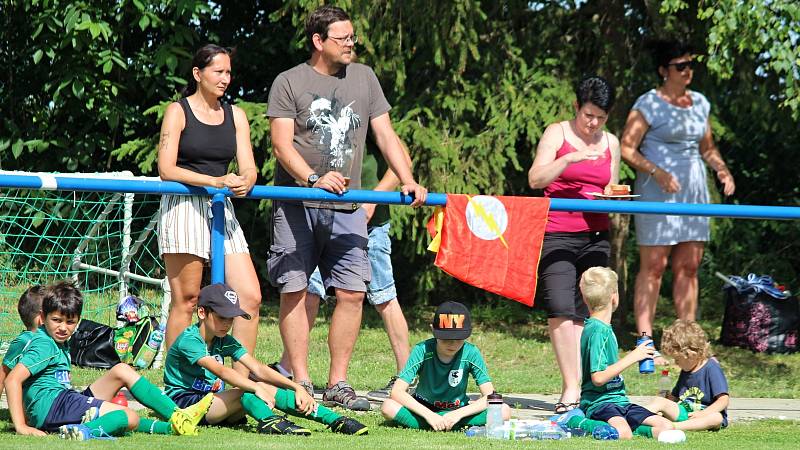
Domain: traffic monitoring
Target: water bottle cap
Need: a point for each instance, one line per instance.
(665, 372)
(494, 397)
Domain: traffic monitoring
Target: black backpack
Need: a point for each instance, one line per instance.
(92, 345)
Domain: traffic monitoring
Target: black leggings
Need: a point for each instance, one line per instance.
(565, 256)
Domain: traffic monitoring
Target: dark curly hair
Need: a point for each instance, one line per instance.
(596, 90)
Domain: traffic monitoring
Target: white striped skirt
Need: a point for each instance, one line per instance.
(184, 226)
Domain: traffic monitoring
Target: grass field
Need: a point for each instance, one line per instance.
(520, 360)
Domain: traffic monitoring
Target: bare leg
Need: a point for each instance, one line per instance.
(622, 427)
(295, 328)
(345, 325)
(226, 404)
(653, 260)
(312, 309)
(184, 273)
(686, 258)
(664, 406)
(565, 335)
(708, 422)
(397, 329)
(107, 386)
(241, 276)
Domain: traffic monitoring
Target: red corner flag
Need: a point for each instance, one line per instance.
(493, 243)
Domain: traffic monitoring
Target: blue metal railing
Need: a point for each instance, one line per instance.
(146, 185)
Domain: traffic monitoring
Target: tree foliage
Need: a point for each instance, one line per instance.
(472, 85)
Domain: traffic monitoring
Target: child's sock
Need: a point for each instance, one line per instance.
(153, 398)
(584, 424)
(643, 430)
(151, 426)
(255, 407)
(408, 419)
(286, 402)
(114, 423)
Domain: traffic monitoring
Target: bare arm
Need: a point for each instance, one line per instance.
(3, 374)
(244, 155)
(388, 183)
(641, 352)
(710, 153)
(546, 167)
(400, 395)
(635, 129)
(396, 156)
(13, 384)
(613, 145)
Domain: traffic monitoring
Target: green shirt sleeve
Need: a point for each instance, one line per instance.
(16, 348)
(192, 348)
(40, 353)
(413, 364)
(477, 366)
(233, 348)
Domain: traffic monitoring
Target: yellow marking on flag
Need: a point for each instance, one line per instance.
(438, 213)
(488, 219)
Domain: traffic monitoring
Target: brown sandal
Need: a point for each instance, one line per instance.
(562, 407)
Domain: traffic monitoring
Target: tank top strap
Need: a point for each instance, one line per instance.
(229, 120)
(189, 117)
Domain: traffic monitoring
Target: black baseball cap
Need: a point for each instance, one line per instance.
(222, 299)
(452, 321)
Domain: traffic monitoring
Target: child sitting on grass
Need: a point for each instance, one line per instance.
(195, 366)
(443, 364)
(699, 400)
(29, 308)
(40, 393)
(603, 389)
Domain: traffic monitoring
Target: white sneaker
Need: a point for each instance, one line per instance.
(672, 436)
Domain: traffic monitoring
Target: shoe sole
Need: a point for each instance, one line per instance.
(333, 403)
(377, 396)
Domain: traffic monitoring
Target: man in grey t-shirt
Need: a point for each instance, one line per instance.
(319, 113)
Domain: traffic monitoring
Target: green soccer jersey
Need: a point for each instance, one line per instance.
(49, 365)
(181, 371)
(599, 349)
(15, 349)
(444, 385)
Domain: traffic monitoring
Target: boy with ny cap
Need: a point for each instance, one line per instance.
(442, 364)
(195, 366)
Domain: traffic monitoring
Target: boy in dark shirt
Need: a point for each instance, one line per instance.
(699, 400)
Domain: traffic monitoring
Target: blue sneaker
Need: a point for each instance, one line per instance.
(562, 419)
(81, 432)
(605, 433)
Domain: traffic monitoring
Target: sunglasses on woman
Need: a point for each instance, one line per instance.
(681, 66)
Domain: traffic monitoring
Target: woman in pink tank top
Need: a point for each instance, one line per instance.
(574, 159)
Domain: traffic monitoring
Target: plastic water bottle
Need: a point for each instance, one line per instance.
(646, 365)
(476, 431)
(150, 350)
(544, 431)
(494, 416)
(664, 384)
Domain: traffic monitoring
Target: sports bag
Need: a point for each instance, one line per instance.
(759, 316)
(92, 345)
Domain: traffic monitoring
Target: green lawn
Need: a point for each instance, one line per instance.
(520, 360)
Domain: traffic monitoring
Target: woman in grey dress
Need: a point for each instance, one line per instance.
(666, 140)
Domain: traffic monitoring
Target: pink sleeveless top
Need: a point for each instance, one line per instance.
(577, 181)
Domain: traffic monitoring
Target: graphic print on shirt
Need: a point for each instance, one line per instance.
(692, 398)
(454, 378)
(333, 124)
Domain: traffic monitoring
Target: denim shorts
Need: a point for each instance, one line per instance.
(304, 238)
(381, 288)
(69, 407)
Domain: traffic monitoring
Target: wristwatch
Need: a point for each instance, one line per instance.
(313, 178)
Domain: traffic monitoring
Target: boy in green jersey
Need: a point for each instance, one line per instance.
(195, 367)
(443, 364)
(29, 308)
(40, 392)
(603, 389)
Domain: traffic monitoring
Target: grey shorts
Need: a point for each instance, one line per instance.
(304, 238)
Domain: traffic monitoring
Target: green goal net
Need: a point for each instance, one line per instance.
(105, 242)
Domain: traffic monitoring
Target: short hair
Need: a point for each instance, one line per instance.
(30, 305)
(685, 338)
(665, 50)
(597, 285)
(596, 90)
(201, 59)
(319, 21)
(62, 297)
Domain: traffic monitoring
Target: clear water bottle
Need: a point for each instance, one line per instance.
(646, 365)
(156, 338)
(476, 431)
(664, 384)
(494, 416)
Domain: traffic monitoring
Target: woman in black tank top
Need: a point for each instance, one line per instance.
(199, 138)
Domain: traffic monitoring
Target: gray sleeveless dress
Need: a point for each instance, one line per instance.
(673, 143)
